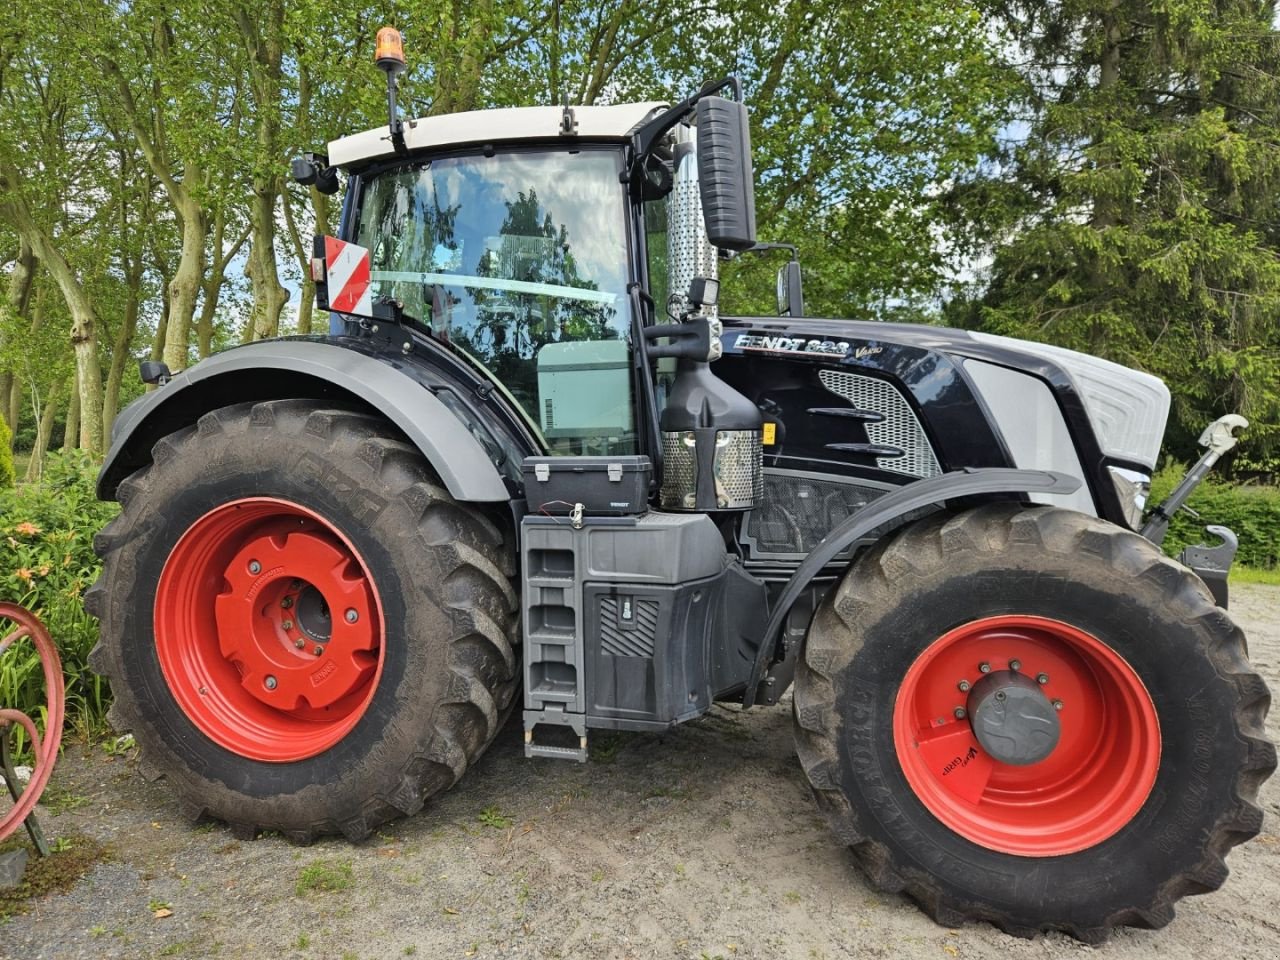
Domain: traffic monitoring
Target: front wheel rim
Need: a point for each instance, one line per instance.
(1086, 790)
(268, 630)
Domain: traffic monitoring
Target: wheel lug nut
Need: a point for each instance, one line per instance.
(299, 643)
(963, 686)
(269, 682)
(255, 567)
(287, 624)
(1015, 664)
(287, 602)
(351, 615)
(318, 651)
(1057, 704)
(1042, 678)
(984, 667)
(960, 713)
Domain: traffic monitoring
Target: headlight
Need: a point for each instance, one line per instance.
(1132, 488)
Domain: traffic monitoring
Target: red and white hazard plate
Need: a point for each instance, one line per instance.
(347, 273)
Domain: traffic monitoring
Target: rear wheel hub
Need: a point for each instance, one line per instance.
(1013, 720)
(268, 630)
(1026, 735)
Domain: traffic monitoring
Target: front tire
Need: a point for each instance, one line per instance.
(1145, 774)
(303, 631)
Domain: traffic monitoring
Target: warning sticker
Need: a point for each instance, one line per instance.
(769, 434)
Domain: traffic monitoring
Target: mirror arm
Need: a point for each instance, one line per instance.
(765, 247)
(643, 139)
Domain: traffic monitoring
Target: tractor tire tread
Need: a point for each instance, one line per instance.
(917, 552)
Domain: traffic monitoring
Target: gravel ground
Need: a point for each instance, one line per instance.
(699, 844)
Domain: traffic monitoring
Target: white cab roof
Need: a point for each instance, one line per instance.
(507, 125)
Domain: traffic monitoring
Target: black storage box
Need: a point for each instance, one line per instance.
(605, 486)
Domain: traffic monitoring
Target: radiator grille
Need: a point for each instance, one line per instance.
(798, 511)
(631, 642)
(900, 427)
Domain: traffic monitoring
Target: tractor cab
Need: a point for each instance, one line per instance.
(545, 245)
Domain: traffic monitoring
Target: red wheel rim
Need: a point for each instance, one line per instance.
(244, 634)
(1093, 782)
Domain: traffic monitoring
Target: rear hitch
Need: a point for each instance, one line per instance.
(1211, 564)
(1219, 438)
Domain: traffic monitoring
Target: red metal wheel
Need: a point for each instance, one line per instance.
(269, 629)
(1092, 783)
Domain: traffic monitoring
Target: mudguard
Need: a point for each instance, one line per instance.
(885, 510)
(248, 372)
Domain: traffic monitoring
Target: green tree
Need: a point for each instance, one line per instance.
(1137, 218)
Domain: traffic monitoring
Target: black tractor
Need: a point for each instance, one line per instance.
(530, 467)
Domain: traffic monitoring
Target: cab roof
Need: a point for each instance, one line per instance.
(504, 125)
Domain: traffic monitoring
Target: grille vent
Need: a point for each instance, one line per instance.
(631, 642)
(900, 427)
(737, 467)
(679, 471)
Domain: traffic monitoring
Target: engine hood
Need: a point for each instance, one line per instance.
(1126, 408)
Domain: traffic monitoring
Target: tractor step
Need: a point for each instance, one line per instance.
(555, 717)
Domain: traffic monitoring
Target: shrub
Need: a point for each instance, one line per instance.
(7, 473)
(46, 564)
(1253, 512)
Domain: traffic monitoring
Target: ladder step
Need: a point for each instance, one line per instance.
(555, 753)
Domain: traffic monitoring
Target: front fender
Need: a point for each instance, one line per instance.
(884, 511)
(278, 369)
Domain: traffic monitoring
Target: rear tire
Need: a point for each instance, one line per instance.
(1159, 685)
(321, 494)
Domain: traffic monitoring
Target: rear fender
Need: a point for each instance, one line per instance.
(888, 511)
(282, 369)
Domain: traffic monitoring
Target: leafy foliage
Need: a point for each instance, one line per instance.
(7, 475)
(1135, 218)
(46, 564)
(1251, 511)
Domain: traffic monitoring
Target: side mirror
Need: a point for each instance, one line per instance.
(725, 178)
(790, 294)
(313, 168)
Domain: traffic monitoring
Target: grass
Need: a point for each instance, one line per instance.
(53, 874)
(1255, 575)
(495, 818)
(325, 876)
(57, 799)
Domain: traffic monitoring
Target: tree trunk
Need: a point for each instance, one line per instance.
(20, 283)
(269, 296)
(120, 355)
(13, 404)
(84, 339)
(44, 432)
(71, 435)
(162, 327)
(1104, 212)
(262, 31)
(184, 288)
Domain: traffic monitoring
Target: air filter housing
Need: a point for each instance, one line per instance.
(712, 456)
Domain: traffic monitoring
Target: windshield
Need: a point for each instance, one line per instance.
(520, 260)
